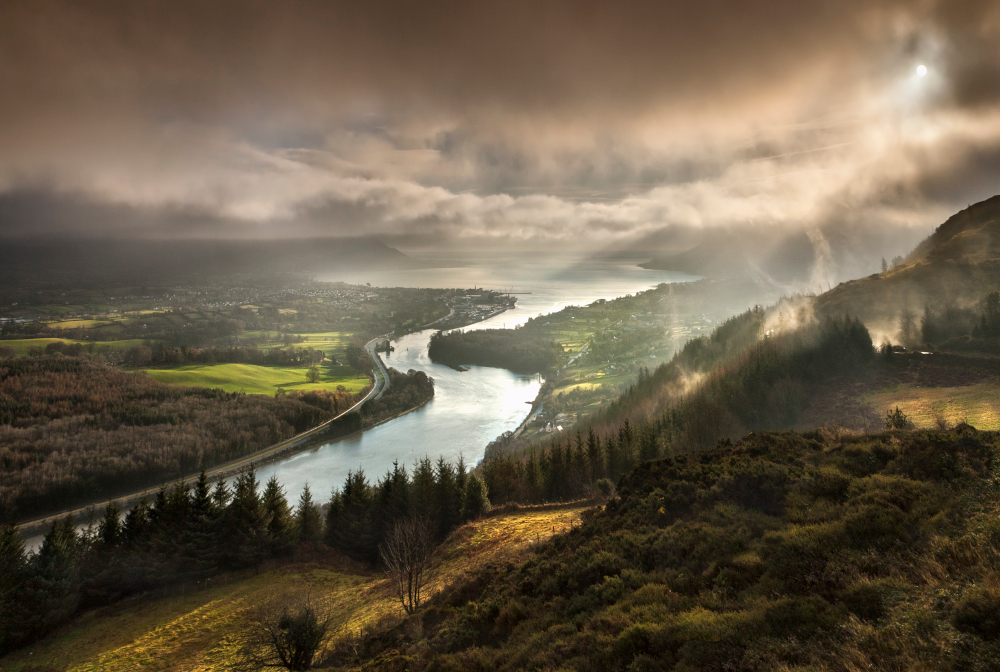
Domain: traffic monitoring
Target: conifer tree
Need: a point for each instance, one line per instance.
(246, 522)
(308, 523)
(349, 528)
(392, 500)
(13, 600)
(422, 489)
(110, 529)
(648, 450)
(280, 525)
(136, 522)
(55, 577)
(594, 456)
(447, 498)
(475, 499)
(201, 498)
(220, 496)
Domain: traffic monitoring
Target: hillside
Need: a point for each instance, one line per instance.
(197, 626)
(955, 267)
(784, 552)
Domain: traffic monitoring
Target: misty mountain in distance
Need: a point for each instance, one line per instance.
(956, 266)
(143, 261)
(806, 259)
(745, 254)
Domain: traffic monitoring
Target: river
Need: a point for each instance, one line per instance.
(470, 408)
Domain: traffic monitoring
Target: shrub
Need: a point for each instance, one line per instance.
(978, 613)
(868, 600)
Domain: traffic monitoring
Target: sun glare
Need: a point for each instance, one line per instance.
(921, 70)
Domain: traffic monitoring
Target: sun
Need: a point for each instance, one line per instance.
(921, 70)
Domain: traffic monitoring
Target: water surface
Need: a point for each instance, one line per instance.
(469, 408)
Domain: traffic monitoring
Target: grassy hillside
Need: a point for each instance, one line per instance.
(783, 552)
(955, 267)
(199, 629)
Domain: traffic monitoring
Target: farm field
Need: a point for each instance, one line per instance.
(200, 630)
(22, 345)
(978, 405)
(254, 379)
(77, 324)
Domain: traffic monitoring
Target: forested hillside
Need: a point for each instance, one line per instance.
(190, 534)
(72, 430)
(785, 551)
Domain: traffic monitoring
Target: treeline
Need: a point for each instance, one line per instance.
(569, 468)
(406, 391)
(520, 350)
(765, 387)
(160, 355)
(189, 534)
(782, 552)
(72, 429)
(735, 381)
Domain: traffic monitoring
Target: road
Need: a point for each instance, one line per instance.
(380, 372)
(380, 376)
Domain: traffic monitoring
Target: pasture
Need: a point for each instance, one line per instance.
(254, 379)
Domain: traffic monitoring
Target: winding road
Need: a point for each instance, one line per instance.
(380, 376)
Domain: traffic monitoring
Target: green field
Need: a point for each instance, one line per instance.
(254, 379)
(200, 630)
(22, 345)
(76, 324)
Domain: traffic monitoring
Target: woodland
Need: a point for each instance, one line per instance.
(189, 534)
(73, 429)
(519, 350)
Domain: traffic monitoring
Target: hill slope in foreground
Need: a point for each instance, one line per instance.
(199, 627)
(787, 551)
(784, 552)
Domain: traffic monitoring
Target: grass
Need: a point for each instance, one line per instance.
(22, 345)
(254, 379)
(200, 630)
(75, 324)
(978, 404)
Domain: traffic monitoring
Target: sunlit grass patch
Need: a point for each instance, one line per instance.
(76, 324)
(201, 630)
(979, 404)
(254, 379)
(23, 345)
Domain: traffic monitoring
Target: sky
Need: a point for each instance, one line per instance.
(514, 125)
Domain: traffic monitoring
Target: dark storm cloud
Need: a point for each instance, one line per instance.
(578, 123)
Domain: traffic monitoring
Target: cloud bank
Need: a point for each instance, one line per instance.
(590, 125)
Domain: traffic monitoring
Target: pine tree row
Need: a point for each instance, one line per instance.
(192, 533)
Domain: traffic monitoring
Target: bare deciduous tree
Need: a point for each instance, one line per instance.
(284, 635)
(405, 554)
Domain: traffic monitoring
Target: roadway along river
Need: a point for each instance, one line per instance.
(469, 408)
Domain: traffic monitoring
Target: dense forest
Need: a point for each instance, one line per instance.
(188, 534)
(785, 551)
(72, 430)
(519, 350)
